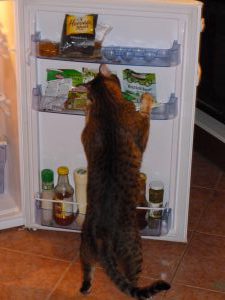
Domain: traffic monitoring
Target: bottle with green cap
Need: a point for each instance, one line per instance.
(47, 177)
(63, 211)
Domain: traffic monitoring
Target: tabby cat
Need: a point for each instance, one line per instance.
(114, 139)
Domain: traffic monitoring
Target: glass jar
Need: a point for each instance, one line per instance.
(63, 212)
(156, 191)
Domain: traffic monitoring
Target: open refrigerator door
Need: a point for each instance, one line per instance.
(151, 46)
(11, 207)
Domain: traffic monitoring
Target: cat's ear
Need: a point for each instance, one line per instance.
(104, 70)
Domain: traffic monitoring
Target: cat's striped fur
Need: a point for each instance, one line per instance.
(114, 140)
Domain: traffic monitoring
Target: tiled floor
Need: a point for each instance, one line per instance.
(45, 265)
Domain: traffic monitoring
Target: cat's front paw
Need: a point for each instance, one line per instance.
(146, 103)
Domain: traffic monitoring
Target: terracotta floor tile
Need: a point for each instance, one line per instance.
(61, 245)
(212, 220)
(199, 199)
(203, 264)
(103, 288)
(179, 292)
(28, 277)
(204, 173)
(161, 258)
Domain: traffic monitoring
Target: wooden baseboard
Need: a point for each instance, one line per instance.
(209, 146)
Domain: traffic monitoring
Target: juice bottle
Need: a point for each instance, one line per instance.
(63, 213)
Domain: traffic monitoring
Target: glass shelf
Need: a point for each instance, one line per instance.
(164, 111)
(149, 226)
(138, 56)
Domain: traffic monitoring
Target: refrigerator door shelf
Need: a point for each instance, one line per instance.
(136, 56)
(164, 111)
(3, 145)
(157, 226)
(154, 227)
(142, 56)
(44, 217)
(48, 104)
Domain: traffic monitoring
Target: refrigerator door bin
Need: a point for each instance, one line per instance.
(44, 217)
(166, 111)
(44, 214)
(114, 54)
(156, 226)
(163, 111)
(142, 56)
(51, 104)
(2, 163)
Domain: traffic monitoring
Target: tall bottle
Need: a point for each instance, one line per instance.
(63, 213)
(80, 180)
(47, 177)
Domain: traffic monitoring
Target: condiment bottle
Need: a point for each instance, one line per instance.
(142, 202)
(63, 212)
(156, 191)
(47, 177)
(80, 180)
(48, 48)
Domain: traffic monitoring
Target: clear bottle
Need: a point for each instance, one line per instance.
(80, 180)
(63, 212)
(47, 177)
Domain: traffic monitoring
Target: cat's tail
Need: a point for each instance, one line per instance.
(124, 285)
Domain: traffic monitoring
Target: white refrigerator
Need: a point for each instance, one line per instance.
(159, 37)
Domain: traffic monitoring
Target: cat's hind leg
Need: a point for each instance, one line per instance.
(88, 271)
(88, 267)
(130, 256)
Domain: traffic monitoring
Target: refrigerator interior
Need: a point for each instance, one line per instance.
(10, 195)
(55, 137)
(159, 37)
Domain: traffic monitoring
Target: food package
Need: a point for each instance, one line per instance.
(135, 84)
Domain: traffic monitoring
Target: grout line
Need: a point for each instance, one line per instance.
(182, 257)
(205, 206)
(203, 187)
(214, 186)
(34, 254)
(200, 288)
(210, 234)
(179, 263)
(218, 180)
(59, 280)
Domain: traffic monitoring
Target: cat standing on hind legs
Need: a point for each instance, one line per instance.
(114, 139)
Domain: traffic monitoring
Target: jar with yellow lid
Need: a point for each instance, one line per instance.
(63, 211)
